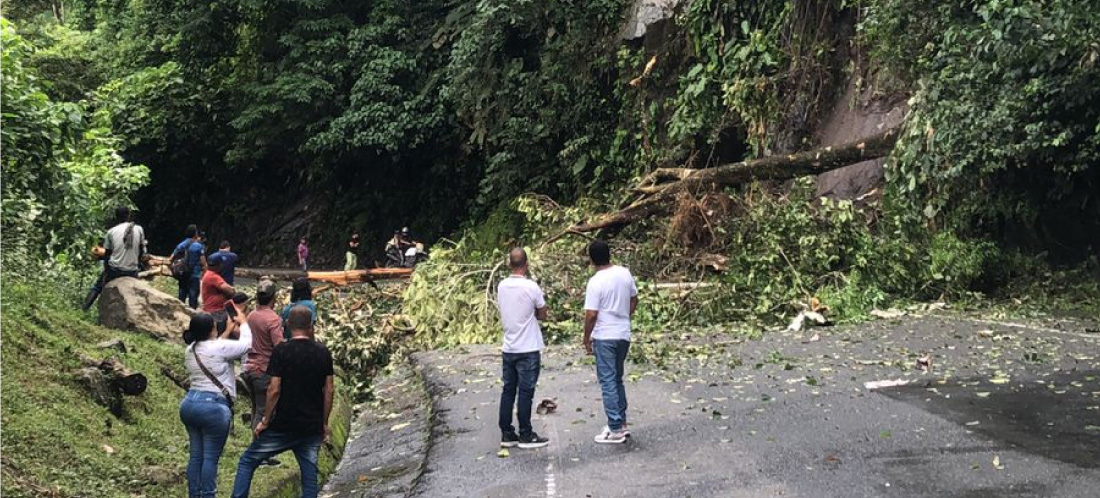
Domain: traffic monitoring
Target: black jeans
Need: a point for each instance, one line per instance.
(110, 273)
(520, 374)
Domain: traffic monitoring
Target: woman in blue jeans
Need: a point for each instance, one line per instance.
(205, 410)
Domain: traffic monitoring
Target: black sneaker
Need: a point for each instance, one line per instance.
(532, 441)
(271, 462)
(509, 440)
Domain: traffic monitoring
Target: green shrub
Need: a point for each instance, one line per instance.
(61, 168)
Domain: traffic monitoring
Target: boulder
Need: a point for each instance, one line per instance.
(132, 304)
(645, 13)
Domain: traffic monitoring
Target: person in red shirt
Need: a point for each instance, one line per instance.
(215, 290)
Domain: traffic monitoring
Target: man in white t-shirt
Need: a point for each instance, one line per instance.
(522, 305)
(609, 301)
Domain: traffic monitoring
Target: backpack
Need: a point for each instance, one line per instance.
(181, 268)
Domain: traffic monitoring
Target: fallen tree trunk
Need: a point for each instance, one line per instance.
(158, 266)
(180, 380)
(332, 277)
(660, 197)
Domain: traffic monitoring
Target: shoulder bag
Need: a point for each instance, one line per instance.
(218, 383)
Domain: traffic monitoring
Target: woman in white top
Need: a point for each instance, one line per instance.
(206, 409)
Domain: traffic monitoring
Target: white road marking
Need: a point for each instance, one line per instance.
(551, 483)
(553, 455)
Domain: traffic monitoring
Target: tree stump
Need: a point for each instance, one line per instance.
(108, 380)
(101, 389)
(129, 382)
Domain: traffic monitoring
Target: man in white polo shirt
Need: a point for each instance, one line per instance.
(609, 302)
(522, 305)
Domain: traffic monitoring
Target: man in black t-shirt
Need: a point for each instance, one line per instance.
(299, 401)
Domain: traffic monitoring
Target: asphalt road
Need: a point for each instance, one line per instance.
(1006, 412)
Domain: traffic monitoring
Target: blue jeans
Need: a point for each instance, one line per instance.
(206, 416)
(190, 291)
(520, 373)
(610, 357)
(271, 443)
(184, 287)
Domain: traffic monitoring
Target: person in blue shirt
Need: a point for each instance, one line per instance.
(301, 294)
(228, 261)
(195, 253)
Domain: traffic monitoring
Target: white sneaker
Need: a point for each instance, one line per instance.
(609, 436)
(625, 431)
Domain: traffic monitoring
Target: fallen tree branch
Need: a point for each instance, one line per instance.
(661, 175)
(180, 380)
(769, 168)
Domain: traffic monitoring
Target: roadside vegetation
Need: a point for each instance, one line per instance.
(484, 125)
(58, 441)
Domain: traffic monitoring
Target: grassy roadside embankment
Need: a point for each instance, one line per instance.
(58, 442)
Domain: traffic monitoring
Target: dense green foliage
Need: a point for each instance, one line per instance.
(272, 119)
(375, 115)
(62, 172)
(1004, 135)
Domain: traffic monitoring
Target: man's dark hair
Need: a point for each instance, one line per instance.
(192, 231)
(223, 244)
(122, 214)
(517, 258)
(214, 264)
(301, 290)
(599, 252)
(265, 299)
(300, 318)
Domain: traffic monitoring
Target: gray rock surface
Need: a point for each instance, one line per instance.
(389, 440)
(857, 114)
(645, 13)
(133, 304)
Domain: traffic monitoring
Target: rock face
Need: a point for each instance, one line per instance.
(133, 304)
(857, 114)
(645, 13)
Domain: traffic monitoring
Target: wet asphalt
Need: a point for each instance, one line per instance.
(1007, 411)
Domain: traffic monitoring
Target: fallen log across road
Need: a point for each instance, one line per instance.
(158, 266)
(332, 277)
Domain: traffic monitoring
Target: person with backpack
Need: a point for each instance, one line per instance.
(123, 251)
(301, 293)
(187, 263)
